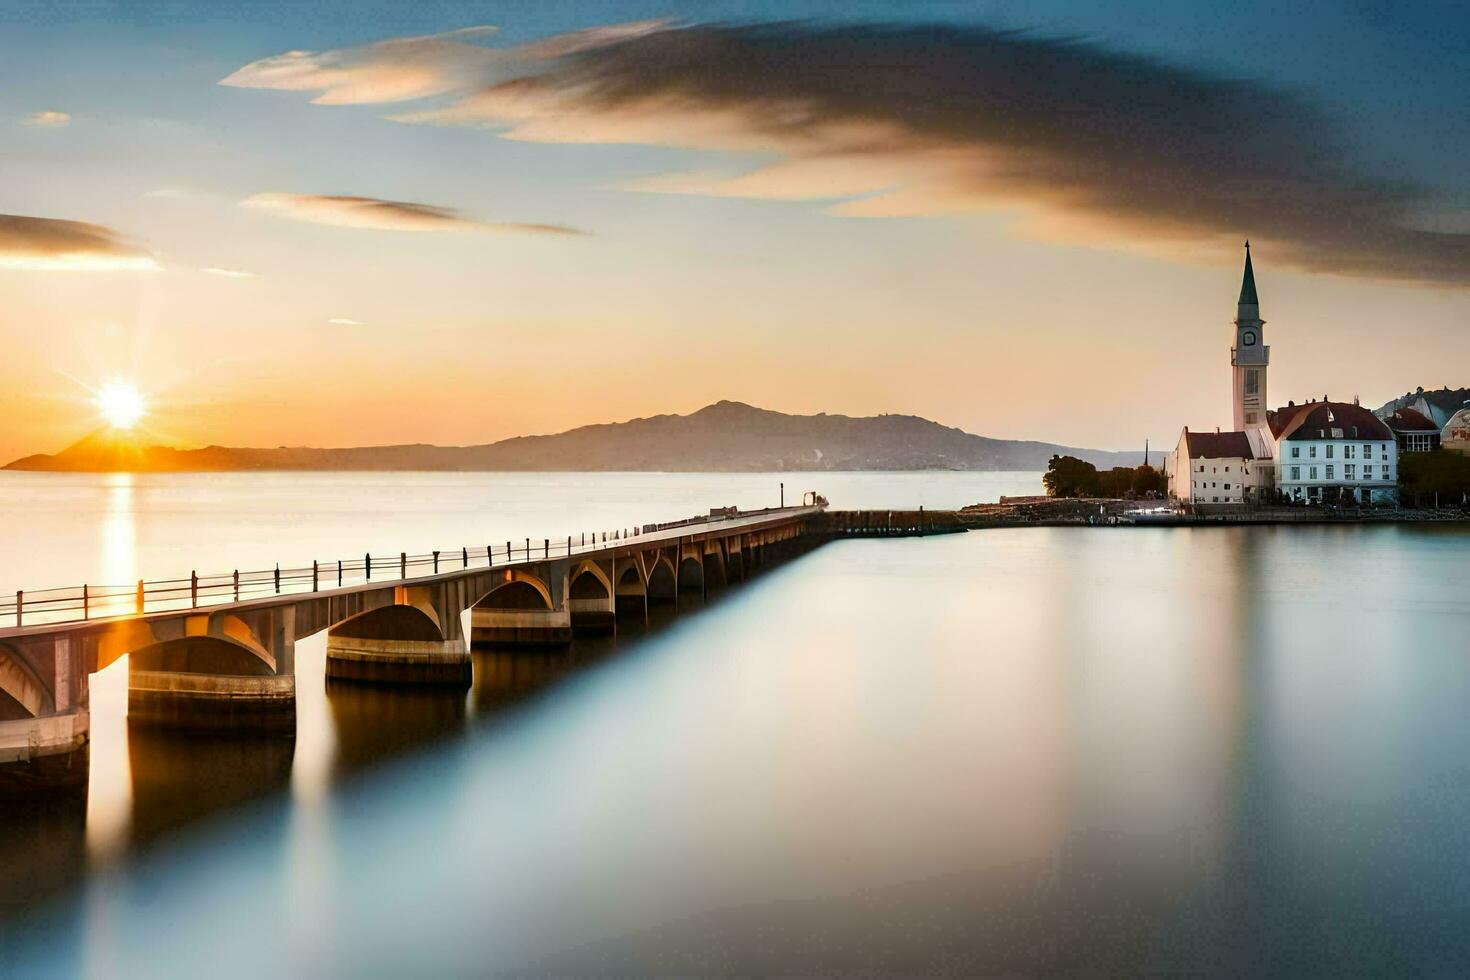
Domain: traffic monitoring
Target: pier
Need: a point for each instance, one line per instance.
(218, 651)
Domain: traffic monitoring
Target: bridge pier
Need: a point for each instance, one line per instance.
(590, 601)
(417, 638)
(228, 672)
(527, 608)
(631, 600)
(41, 756)
(44, 723)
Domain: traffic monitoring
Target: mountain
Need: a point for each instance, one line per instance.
(724, 437)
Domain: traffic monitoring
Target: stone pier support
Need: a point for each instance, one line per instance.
(590, 601)
(528, 607)
(40, 756)
(418, 639)
(44, 724)
(229, 672)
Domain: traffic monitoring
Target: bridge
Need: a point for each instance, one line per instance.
(218, 651)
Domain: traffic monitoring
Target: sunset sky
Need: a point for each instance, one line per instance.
(354, 224)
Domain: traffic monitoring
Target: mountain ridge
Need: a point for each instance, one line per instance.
(726, 436)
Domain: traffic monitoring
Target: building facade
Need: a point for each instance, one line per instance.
(1215, 468)
(1414, 432)
(1331, 452)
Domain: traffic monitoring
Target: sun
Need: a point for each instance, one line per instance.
(121, 404)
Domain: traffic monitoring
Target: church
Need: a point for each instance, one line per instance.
(1315, 452)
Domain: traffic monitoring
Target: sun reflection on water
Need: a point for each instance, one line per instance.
(110, 791)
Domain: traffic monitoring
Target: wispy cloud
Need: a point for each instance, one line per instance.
(53, 244)
(1088, 143)
(215, 270)
(407, 68)
(342, 321)
(381, 215)
(395, 70)
(48, 118)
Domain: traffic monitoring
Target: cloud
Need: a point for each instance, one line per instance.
(54, 244)
(215, 270)
(395, 70)
(408, 68)
(342, 321)
(1084, 142)
(50, 118)
(374, 213)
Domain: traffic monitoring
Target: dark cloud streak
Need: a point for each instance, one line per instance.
(1164, 150)
(1090, 144)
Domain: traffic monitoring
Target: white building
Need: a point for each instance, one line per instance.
(1316, 452)
(1329, 451)
(1217, 468)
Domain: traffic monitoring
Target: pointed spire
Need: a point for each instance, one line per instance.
(1248, 282)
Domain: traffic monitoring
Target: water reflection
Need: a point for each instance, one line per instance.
(182, 776)
(119, 531)
(41, 845)
(376, 722)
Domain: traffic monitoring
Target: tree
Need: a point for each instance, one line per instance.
(1068, 476)
(1439, 475)
(1149, 482)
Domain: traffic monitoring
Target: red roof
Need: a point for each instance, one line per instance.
(1217, 445)
(1326, 420)
(1410, 420)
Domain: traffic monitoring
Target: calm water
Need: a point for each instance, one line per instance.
(1226, 750)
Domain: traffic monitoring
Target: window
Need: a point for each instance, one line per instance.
(1214, 500)
(1367, 450)
(1214, 469)
(1250, 418)
(1385, 471)
(1329, 450)
(1252, 381)
(1349, 470)
(1202, 467)
(1227, 486)
(1312, 473)
(1296, 472)
(1296, 452)
(1348, 450)
(1329, 468)
(1312, 451)
(1227, 469)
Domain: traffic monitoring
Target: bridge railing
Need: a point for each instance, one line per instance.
(76, 604)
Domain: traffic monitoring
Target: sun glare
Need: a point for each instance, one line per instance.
(121, 404)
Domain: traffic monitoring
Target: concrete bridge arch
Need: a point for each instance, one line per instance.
(663, 580)
(691, 573)
(519, 590)
(29, 696)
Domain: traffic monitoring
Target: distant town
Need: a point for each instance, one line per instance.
(1318, 451)
(1413, 451)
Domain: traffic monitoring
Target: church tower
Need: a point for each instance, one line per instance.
(1250, 356)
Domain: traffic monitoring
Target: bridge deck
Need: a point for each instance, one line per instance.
(67, 609)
